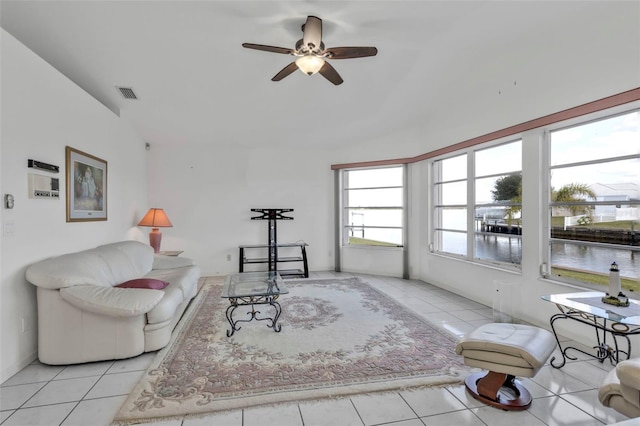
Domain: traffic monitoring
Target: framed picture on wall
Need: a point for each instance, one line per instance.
(86, 186)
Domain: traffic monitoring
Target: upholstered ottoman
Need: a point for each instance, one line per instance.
(506, 350)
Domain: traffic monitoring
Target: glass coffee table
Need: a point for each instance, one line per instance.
(251, 289)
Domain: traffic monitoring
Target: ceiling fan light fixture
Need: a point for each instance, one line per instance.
(311, 56)
(309, 64)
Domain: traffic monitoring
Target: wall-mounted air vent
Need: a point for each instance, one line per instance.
(127, 93)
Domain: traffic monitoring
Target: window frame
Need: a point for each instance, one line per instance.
(436, 217)
(346, 229)
(436, 227)
(547, 205)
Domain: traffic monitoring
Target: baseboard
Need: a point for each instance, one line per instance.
(9, 371)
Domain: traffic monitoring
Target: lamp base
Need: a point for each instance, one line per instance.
(155, 237)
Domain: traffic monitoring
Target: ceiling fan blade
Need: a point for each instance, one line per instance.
(330, 73)
(312, 33)
(266, 48)
(350, 52)
(285, 71)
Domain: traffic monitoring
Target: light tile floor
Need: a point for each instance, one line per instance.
(91, 394)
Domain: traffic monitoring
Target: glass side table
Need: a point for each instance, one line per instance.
(607, 320)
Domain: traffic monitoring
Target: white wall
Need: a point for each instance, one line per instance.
(373, 260)
(42, 112)
(209, 190)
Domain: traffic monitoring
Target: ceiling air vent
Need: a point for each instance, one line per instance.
(127, 93)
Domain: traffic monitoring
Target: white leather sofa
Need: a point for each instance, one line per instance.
(83, 316)
(620, 390)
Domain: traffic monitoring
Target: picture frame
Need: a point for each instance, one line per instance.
(86, 179)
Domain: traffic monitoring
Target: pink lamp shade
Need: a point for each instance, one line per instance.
(155, 218)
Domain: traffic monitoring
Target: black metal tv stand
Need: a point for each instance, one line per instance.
(273, 258)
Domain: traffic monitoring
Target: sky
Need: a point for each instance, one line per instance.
(613, 137)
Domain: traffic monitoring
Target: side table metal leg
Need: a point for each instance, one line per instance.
(562, 351)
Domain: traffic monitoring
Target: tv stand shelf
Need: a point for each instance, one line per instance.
(259, 255)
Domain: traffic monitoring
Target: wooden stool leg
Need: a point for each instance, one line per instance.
(490, 384)
(486, 388)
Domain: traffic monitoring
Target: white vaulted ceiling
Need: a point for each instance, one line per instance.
(196, 84)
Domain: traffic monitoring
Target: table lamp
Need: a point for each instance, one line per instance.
(155, 218)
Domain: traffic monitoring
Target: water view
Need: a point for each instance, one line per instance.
(563, 255)
(596, 259)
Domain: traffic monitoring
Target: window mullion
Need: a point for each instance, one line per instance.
(471, 201)
(597, 161)
(545, 201)
(517, 172)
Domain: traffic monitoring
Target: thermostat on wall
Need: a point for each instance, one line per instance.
(43, 166)
(41, 186)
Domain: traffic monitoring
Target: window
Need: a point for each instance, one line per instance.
(495, 192)
(450, 212)
(373, 201)
(594, 200)
(498, 203)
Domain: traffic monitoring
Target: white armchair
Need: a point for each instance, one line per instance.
(620, 390)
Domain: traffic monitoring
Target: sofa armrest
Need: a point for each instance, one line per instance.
(169, 262)
(628, 372)
(112, 301)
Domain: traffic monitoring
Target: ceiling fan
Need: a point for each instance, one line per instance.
(312, 56)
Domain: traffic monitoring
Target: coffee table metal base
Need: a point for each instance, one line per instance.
(252, 301)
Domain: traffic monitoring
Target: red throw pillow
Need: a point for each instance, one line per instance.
(144, 283)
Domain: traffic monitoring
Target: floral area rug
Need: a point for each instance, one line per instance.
(338, 337)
